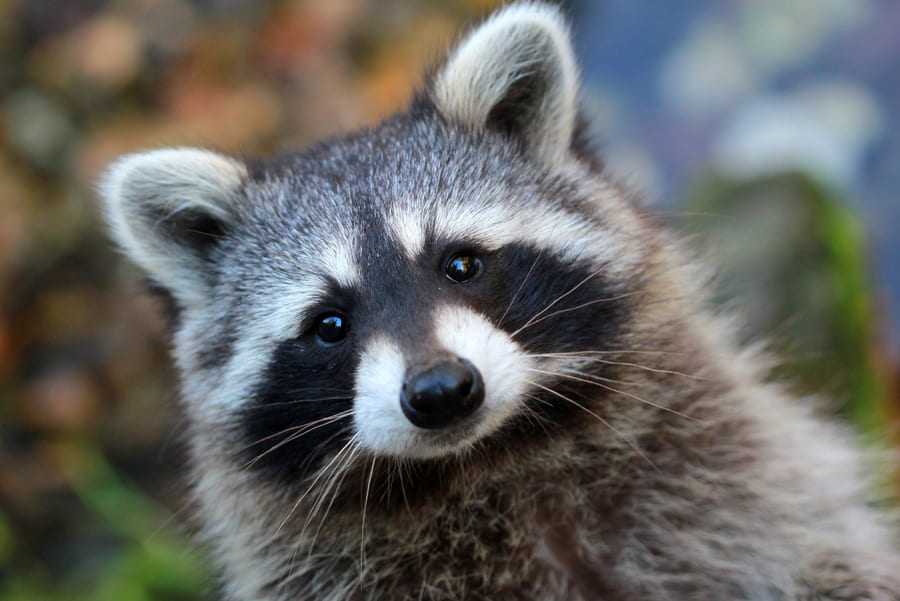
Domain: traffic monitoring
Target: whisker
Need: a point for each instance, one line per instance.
(521, 286)
(311, 486)
(301, 430)
(332, 489)
(559, 298)
(340, 461)
(609, 352)
(594, 382)
(534, 322)
(603, 421)
(362, 534)
(622, 363)
(292, 429)
(540, 254)
(344, 397)
(534, 416)
(403, 469)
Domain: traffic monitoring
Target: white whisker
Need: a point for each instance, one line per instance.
(362, 533)
(534, 322)
(298, 432)
(557, 299)
(585, 356)
(594, 382)
(606, 423)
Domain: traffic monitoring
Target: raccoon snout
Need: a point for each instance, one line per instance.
(436, 396)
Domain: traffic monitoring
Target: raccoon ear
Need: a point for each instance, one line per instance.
(515, 73)
(167, 208)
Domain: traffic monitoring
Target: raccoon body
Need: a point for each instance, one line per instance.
(448, 358)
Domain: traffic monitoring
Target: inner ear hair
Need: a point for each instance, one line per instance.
(520, 104)
(168, 208)
(197, 230)
(516, 73)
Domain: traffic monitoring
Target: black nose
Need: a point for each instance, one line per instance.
(437, 395)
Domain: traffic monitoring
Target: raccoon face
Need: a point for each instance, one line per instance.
(410, 291)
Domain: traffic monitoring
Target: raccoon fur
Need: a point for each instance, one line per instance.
(449, 358)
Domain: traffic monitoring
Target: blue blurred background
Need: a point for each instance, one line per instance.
(749, 89)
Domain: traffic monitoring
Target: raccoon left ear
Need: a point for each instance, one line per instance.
(168, 209)
(516, 73)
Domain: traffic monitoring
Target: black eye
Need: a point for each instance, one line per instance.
(331, 328)
(462, 268)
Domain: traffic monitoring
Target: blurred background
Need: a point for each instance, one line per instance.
(767, 130)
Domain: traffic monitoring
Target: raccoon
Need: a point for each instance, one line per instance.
(450, 358)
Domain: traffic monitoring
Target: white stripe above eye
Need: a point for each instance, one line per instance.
(493, 226)
(408, 228)
(338, 261)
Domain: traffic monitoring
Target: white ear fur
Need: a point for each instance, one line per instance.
(525, 44)
(153, 198)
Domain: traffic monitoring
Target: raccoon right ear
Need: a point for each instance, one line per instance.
(515, 73)
(167, 208)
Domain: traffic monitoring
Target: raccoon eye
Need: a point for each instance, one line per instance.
(462, 268)
(331, 328)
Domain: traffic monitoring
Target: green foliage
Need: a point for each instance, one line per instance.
(151, 562)
(793, 260)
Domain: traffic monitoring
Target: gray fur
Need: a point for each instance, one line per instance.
(687, 476)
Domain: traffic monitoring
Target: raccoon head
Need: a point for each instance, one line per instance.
(412, 291)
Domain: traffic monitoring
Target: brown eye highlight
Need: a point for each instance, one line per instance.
(462, 268)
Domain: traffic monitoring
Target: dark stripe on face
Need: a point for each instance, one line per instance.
(546, 303)
(300, 413)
